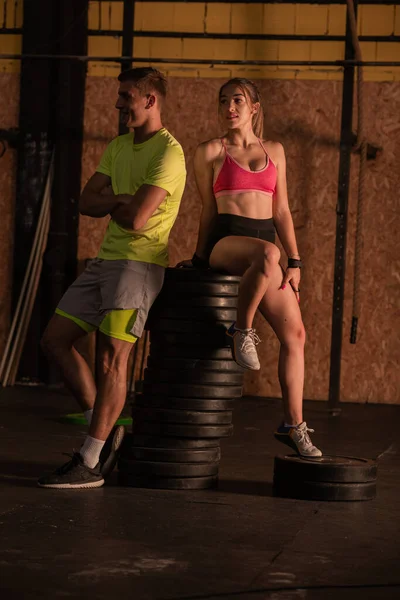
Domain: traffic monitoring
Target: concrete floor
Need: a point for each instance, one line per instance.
(236, 542)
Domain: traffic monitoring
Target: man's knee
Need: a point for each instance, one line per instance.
(112, 354)
(60, 335)
(52, 344)
(49, 341)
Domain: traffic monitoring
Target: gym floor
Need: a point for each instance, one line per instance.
(235, 542)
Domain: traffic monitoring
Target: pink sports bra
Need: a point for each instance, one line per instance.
(234, 179)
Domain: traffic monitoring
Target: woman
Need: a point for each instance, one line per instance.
(242, 183)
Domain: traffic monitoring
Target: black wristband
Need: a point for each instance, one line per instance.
(199, 263)
(294, 263)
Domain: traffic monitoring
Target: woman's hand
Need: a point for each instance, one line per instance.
(292, 277)
(184, 264)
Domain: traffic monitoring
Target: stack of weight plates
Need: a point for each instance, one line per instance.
(334, 478)
(190, 385)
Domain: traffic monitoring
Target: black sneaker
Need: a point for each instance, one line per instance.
(109, 453)
(73, 475)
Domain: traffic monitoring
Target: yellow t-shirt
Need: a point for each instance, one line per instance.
(159, 161)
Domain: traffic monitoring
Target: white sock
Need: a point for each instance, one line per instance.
(88, 414)
(90, 451)
(289, 425)
(239, 329)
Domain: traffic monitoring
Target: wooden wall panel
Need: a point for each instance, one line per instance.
(371, 367)
(305, 116)
(9, 103)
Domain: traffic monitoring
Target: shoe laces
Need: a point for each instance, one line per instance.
(304, 437)
(70, 463)
(249, 340)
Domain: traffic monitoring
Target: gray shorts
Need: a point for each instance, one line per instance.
(107, 285)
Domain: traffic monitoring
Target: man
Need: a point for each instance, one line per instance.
(139, 183)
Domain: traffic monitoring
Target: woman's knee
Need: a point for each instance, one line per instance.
(295, 338)
(267, 257)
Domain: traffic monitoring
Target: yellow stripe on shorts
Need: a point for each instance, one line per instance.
(118, 324)
(88, 327)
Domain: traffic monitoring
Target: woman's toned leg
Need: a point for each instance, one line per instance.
(254, 260)
(281, 309)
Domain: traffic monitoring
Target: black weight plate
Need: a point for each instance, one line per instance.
(215, 329)
(168, 469)
(214, 339)
(183, 403)
(167, 483)
(202, 314)
(173, 274)
(195, 364)
(173, 455)
(320, 490)
(157, 441)
(192, 377)
(331, 469)
(179, 430)
(192, 391)
(168, 345)
(195, 302)
(199, 288)
(160, 415)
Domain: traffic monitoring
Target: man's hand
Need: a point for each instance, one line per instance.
(107, 191)
(122, 213)
(133, 211)
(97, 199)
(184, 264)
(124, 199)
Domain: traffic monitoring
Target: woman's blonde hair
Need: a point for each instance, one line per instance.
(252, 95)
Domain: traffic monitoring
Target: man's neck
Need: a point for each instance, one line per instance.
(147, 131)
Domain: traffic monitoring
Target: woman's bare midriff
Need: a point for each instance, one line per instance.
(253, 205)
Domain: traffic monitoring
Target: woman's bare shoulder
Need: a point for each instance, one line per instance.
(210, 149)
(274, 149)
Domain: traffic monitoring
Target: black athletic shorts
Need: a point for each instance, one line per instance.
(228, 224)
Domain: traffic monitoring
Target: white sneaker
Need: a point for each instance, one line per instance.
(243, 343)
(298, 439)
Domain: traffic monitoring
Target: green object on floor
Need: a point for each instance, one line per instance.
(79, 419)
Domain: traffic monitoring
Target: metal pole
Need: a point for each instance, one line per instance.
(390, 2)
(60, 264)
(36, 126)
(346, 139)
(206, 61)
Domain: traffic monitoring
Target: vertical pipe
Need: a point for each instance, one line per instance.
(51, 114)
(346, 140)
(36, 124)
(60, 265)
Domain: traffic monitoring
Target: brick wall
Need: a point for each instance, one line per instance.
(247, 18)
(243, 18)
